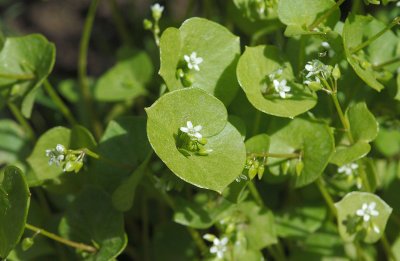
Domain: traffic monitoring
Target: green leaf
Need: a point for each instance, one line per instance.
(219, 49)
(92, 220)
(171, 112)
(347, 218)
(254, 67)
(125, 143)
(124, 195)
(346, 154)
(258, 144)
(298, 15)
(199, 213)
(258, 219)
(388, 142)
(25, 62)
(357, 29)
(312, 139)
(13, 142)
(14, 205)
(77, 138)
(363, 126)
(397, 97)
(300, 221)
(236, 191)
(125, 80)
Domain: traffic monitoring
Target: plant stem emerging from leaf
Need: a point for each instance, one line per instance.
(64, 241)
(325, 15)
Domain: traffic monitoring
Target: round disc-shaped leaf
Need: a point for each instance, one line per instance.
(312, 139)
(92, 219)
(347, 209)
(356, 30)
(254, 67)
(171, 112)
(25, 62)
(298, 15)
(218, 48)
(14, 205)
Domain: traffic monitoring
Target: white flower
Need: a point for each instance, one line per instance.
(193, 132)
(219, 247)
(193, 61)
(348, 169)
(240, 178)
(272, 76)
(398, 4)
(157, 10)
(366, 211)
(281, 87)
(326, 45)
(316, 67)
(56, 155)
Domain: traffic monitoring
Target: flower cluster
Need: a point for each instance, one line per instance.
(190, 140)
(185, 69)
(69, 160)
(255, 166)
(367, 212)
(318, 75)
(156, 13)
(193, 61)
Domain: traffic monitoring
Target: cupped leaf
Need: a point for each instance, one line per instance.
(253, 70)
(92, 220)
(311, 139)
(174, 110)
(299, 15)
(348, 219)
(125, 80)
(363, 126)
(76, 138)
(357, 29)
(14, 205)
(25, 62)
(346, 154)
(218, 48)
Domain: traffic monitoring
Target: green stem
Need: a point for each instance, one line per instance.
(201, 245)
(89, 113)
(64, 241)
(345, 123)
(275, 155)
(364, 177)
(59, 103)
(119, 22)
(381, 65)
(255, 194)
(21, 119)
(145, 229)
(395, 22)
(325, 15)
(387, 248)
(327, 196)
(28, 76)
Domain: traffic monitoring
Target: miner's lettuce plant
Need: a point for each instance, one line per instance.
(271, 133)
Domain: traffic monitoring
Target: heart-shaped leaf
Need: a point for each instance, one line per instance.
(125, 80)
(171, 112)
(365, 211)
(25, 62)
(256, 67)
(92, 220)
(363, 126)
(14, 205)
(218, 48)
(357, 29)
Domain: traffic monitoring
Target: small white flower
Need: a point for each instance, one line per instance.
(366, 211)
(193, 61)
(316, 67)
(398, 4)
(57, 155)
(60, 148)
(219, 247)
(348, 169)
(193, 132)
(281, 88)
(157, 10)
(326, 45)
(240, 178)
(272, 76)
